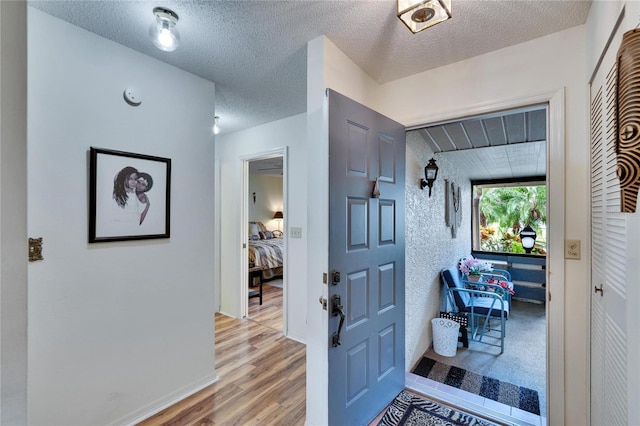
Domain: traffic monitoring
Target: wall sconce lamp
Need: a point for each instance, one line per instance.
(528, 238)
(163, 31)
(216, 129)
(418, 15)
(430, 173)
(278, 217)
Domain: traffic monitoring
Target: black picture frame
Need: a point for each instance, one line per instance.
(129, 196)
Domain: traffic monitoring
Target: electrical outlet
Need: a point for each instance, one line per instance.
(295, 232)
(572, 249)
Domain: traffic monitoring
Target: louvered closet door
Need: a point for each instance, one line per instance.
(609, 390)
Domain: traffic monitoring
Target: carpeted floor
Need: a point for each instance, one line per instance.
(408, 409)
(506, 393)
(523, 362)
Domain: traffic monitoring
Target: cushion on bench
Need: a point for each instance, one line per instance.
(463, 301)
(453, 278)
(482, 305)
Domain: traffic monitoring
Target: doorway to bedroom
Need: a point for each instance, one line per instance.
(265, 214)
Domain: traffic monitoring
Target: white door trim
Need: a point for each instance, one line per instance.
(14, 226)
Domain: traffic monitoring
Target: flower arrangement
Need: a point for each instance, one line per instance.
(472, 266)
(502, 284)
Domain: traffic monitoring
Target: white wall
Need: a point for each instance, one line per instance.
(603, 16)
(116, 329)
(429, 243)
(13, 217)
(231, 151)
(318, 232)
(268, 190)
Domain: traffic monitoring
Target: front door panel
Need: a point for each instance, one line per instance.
(366, 245)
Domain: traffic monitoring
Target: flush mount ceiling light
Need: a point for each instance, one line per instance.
(163, 31)
(418, 15)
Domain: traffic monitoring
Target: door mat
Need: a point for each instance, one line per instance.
(506, 393)
(409, 409)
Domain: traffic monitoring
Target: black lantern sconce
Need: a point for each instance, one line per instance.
(528, 238)
(430, 174)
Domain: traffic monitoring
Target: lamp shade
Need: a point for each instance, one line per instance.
(278, 215)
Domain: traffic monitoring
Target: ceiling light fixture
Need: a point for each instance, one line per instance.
(418, 15)
(163, 31)
(216, 129)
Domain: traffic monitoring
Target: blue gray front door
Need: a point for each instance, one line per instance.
(366, 261)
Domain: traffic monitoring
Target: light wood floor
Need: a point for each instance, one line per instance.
(262, 380)
(270, 312)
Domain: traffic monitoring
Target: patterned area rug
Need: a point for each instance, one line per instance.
(411, 410)
(506, 393)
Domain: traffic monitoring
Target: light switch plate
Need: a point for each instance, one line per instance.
(295, 232)
(572, 249)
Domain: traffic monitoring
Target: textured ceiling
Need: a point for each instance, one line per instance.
(511, 127)
(501, 162)
(255, 51)
(507, 145)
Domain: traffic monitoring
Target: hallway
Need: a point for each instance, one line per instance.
(262, 381)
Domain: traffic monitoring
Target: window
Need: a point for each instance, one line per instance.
(502, 209)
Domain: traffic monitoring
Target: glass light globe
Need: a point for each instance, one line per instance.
(163, 31)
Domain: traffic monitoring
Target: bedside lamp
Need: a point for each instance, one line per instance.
(278, 217)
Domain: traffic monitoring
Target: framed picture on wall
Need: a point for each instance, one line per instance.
(129, 196)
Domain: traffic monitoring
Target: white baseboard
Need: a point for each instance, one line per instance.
(297, 339)
(159, 405)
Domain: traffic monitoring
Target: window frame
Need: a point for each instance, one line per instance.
(475, 218)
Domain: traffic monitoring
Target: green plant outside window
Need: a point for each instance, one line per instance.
(503, 210)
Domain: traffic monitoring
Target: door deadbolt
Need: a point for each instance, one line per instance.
(335, 277)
